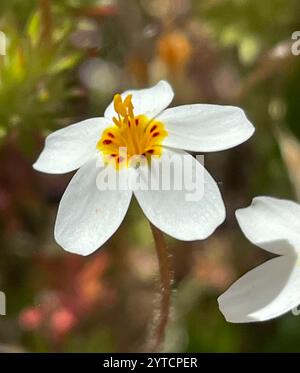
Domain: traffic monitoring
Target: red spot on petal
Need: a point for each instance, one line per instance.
(153, 128)
(137, 122)
(107, 142)
(155, 134)
(111, 135)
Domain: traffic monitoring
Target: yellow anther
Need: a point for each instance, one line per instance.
(127, 101)
(119, 106)
(117, 101)
(124, 108)
(128, 105)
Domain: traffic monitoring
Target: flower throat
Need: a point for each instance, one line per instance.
(134, 135)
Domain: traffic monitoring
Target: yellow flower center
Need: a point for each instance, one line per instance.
(130, 136)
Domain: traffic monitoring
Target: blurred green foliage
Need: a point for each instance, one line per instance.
(35, 81)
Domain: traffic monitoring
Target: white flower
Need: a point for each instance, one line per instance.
(138, 120)
(272, 288)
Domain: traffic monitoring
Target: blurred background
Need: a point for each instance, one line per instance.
(64, 61)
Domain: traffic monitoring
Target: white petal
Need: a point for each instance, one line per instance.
(149, 101)
(205, 128)
(182, 214)
(265, 292)
(272, 224)
(69, 148)
(87, 217)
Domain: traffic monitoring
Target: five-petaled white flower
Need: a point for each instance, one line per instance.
(137, 120)
(273, 288)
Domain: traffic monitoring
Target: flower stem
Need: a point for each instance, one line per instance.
(166, 278)
(46, 16)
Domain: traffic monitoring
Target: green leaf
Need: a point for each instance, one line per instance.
(65, 63)
(33, 28)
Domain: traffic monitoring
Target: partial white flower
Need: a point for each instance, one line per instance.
(272, 288)
(137, 120)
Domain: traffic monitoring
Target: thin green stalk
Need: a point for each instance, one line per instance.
(166, 279)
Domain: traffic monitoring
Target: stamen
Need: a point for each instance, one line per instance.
(131, 132)
(116, 122)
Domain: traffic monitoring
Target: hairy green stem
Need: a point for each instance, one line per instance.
(166, 278)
